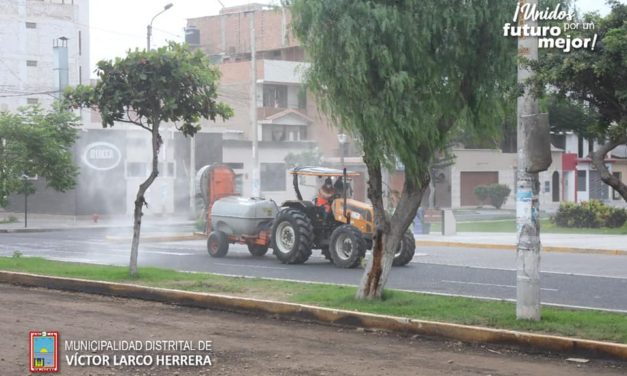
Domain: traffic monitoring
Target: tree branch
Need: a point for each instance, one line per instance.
(597, 160)
(408, 204)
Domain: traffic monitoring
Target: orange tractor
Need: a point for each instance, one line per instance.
(342, 228)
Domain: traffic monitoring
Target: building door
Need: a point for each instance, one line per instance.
(555, 186)
(469, 180)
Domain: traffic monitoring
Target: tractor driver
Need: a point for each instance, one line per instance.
(326, 195)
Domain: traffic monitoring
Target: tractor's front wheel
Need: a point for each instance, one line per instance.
(292, 236)
(406, 250)
(347, 247)
(217, 244)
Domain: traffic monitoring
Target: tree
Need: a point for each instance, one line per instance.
(398, 76)
(36, 142)
(146, 89)
(597, 78)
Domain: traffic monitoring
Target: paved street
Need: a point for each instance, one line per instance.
(593, 281)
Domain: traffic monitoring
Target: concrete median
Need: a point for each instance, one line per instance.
(301, 312)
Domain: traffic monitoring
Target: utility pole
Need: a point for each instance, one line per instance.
(256, 184)
(532, 158)
(25, 180)
(149, 27)
(192, 176)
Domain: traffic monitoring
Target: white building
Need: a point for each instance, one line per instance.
(35, 36)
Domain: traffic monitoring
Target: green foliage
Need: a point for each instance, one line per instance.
(481, 192)
(10, 219)
(398, 76)
(589, 214)
(170, 84)
(17, 254)
(36, 142)
(310, 157)
(566, 115)
(494, 194)
(597, 78)
(146, 88)
(200, 224)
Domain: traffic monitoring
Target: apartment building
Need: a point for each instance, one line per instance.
(288, 120)
(45, 47)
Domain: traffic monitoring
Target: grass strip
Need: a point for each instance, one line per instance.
(509, 225)
(595, 325)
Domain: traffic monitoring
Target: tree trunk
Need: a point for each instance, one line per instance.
(140, 200)
(606, 176)
(389, 232)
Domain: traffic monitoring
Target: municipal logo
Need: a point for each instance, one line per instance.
(43, 351)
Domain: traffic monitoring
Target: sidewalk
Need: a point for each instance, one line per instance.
(588, 243)
(47, 222)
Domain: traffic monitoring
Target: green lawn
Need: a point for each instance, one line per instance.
(576, 323)
(509, 225)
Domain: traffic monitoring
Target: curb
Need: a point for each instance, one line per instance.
(300, 312)
(26, 230)
(511, 247)
(86, 227)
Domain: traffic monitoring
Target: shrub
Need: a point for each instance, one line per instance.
(201, 223)
(617, 218)
(494, 194)
(481, 192)
(589, 214)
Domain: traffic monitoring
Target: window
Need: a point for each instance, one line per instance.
(272, 176)
(302, 98)
(547, 186)
(32, 100)
(31, 63)
(579, 146)
(80, 44)
(80, 74)
(280, 132)
(235, 166)
(275, 96)
(581, 180)
(31, 25)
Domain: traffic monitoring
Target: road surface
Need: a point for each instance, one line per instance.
(250, 345)
(577, 280)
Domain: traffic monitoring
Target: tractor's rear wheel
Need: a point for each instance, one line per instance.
(292, 236)
(347, 246)
(257, 249)
(406, 250)
(217, 244)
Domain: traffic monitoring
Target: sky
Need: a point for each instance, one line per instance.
(120, 25)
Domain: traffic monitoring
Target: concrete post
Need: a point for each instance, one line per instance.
(527, 184)
(256, 181)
